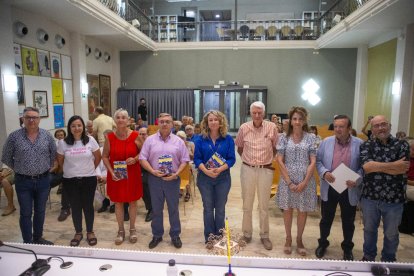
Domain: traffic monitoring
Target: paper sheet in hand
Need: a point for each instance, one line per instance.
(342, 173)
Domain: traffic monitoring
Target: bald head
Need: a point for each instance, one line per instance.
(380, 127)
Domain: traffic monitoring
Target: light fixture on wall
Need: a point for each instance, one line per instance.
(42, 36)
(10, 83)
(88, 50)
(84, 89)
(396, 88)
(98, 53)
(135, 23)
(20, 29)
(311, 87)
(107, 57)
(59, 41)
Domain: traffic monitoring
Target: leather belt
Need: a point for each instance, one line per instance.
(268, 166)
(37, 176)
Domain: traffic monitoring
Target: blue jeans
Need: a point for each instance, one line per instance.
(32, 194)
(162, 191)
(214, 194)
(391, 214)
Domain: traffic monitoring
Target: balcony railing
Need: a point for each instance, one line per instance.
(180, 29)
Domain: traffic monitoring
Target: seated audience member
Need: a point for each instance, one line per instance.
(101, 174)
(197, 129)
(6, 181)
(190, 121)
(184, 121)
(274, 119)
(407, 221)
(189, 131)
(131, 123)
(285, 125)
(400, 135)
(89, 128)
(191, 148)
(140, 124)
(354, 132)
(366, 131)
(314, 130)
(177, 126)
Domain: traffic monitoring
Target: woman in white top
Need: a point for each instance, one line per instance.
(79, 155)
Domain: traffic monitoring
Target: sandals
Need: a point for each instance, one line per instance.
(91, 238)
(76, 239)
(133, 236)
(187, 197)
(301, 250)
(120, 237)
(287, 249)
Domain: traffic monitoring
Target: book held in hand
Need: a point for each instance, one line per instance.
(120, 169)
(215, 161)
(165, 164)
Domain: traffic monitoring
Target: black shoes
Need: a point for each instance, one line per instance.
(320, 251)
(348, 256)
(112, 208)
(176, 241)
(154, 242)
(148, 217)
(102, 209)
(63, 214)
(126, 216)
(42, 241)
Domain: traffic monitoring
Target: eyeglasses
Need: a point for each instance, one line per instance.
(381, 125)
(31, 118)
(143, 134)
(162, 122)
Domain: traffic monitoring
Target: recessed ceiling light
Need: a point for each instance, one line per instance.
(217, 15)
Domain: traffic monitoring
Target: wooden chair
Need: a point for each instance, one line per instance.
(223, 35)
(276, 179)
(298, 31)
(259, 33)
(271, 33)
(186, 178)
(286, 32)
(152, 129)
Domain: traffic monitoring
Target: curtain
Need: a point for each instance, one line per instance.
(177, 102)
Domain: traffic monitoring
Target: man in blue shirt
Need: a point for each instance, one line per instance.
(30, 151)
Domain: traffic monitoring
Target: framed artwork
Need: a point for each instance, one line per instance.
(66, 67)
(29, 60)
(43, 63)
(40, 102)
(57, 91)
(20, 90)
(59, 115)
(55, 65)
(17, 59)
(105, 91)
(67, 91)
(93, 94)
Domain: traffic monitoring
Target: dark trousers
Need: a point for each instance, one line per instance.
(55, 180)
(328, 209)
(147, 196)
(81, 192)
(407, 220)
(165, 191)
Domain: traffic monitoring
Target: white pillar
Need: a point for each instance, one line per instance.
(361, 78)
(401, 104)
(9, 114)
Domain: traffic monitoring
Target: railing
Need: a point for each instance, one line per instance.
(175, 31)
(338, 11)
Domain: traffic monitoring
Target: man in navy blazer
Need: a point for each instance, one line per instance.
(334, 150)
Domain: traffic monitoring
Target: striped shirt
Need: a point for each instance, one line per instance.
(258, 143)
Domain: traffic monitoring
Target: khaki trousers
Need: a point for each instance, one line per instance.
(253, 179)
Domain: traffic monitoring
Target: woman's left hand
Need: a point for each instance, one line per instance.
(300, 187)
(131, 161)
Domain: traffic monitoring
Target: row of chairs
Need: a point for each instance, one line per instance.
(260, 33)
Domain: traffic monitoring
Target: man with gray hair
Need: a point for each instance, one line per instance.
(101, 123)
(256, 144)
(30, 152)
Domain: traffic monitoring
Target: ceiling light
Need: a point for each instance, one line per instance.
(314, 99)
(217, 15)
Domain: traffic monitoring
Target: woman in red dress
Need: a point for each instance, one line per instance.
(124, 182)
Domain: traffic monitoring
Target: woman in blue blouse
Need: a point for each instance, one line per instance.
(214, 156)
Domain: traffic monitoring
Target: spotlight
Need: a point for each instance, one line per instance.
(88, 50)
(59, 41)
(98, 53)
(42, 36)
(107, 57)
(20, 29)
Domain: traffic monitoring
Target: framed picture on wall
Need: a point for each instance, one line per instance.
(105, 89)
(29, 60)
(43, 63)
(93, 94)
(17, 59)
(40, 102)
(55, 65)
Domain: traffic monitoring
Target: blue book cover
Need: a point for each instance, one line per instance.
(165, 164)
(120, 169)
(215, 161)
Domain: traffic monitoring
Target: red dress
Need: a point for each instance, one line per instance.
(128, 189)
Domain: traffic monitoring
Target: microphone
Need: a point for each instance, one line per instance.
(39, 267)
(378, 270)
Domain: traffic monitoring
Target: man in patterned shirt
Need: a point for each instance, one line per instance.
(385, 161)
(30, 151)
(256, 144)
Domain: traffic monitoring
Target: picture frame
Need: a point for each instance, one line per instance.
(105, 93)
(40, 102)
(43, 61)
(93, 95)
(20, 90)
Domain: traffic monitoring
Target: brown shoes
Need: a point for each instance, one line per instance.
(8, 211)
(267, 244)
